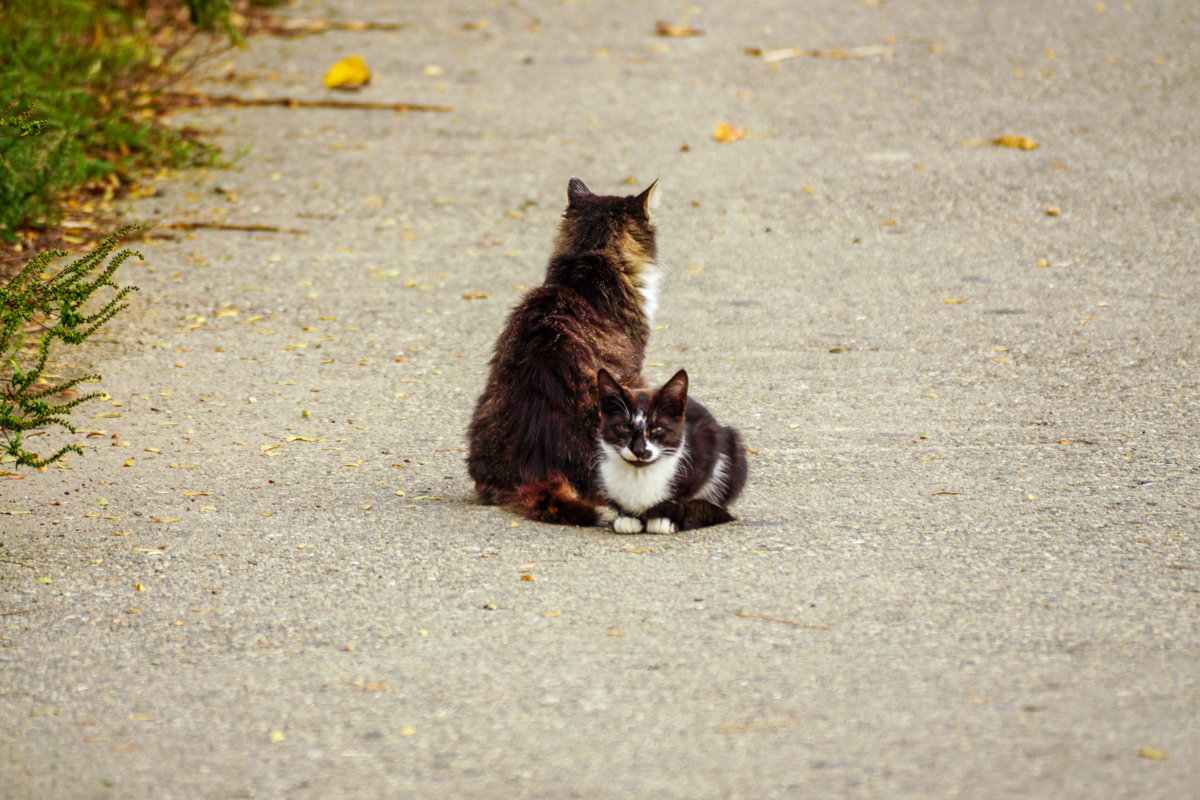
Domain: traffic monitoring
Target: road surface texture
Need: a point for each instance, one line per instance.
(966, 563)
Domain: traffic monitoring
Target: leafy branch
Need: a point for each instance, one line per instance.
(36, 313)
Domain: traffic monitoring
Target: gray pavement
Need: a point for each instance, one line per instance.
(966, 562)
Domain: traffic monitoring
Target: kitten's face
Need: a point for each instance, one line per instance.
(594, 222)
(640, 426)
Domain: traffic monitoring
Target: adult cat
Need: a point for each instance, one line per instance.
(533, 434)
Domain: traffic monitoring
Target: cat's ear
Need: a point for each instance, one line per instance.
(673, 394)
(605, 380)
(649, 199)
(612, 396)
(577, 189)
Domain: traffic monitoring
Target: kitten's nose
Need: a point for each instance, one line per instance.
(638, 446)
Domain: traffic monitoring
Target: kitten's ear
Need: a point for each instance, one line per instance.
(606, 381)
(673, 394)
(649, 198)
(577, 189)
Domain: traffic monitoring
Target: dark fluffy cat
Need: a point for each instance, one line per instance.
(533, 435)
(665, 463)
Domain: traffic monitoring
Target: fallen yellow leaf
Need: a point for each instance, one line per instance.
(726, 133)
(349, 73)
(1153, 753)
(1015, 142)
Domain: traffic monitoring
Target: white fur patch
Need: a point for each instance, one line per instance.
(627, 525)
(636, 489)
(660, 525)
(650, 279)
(714, 487)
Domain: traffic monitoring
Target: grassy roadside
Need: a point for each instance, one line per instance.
(79, 121)
(78, 117)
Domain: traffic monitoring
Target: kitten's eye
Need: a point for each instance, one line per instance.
(624, 429)
(656, 430)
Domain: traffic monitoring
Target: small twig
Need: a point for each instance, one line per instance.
(19, 564)
(750, 727)
(14, 613)
(196, 100)
(297, 26)
(796, 623)
(785, 53)
(229, 226)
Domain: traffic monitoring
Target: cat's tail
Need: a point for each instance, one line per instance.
(552, 499)
(695, 513)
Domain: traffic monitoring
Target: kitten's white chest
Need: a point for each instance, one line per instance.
(637, 489)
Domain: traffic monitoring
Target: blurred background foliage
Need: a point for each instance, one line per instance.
(79, 85)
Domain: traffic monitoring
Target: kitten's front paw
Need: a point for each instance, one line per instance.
(660, 525)
(627, 525)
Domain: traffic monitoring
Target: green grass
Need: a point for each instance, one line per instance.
(88, 71)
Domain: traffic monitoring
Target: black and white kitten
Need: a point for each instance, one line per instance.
(665, 464)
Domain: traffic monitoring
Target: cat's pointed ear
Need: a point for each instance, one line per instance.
(612, 396)
(577, 189)
(649, 198)
(608, 386)
(673, 394)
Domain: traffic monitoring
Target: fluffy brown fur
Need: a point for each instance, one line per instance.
(532, 437)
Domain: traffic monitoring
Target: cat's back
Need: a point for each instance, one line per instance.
(547, 328)
(718, 467)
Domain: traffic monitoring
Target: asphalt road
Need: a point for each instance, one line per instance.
(966, 563)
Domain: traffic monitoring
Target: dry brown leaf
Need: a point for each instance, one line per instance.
(664, 28)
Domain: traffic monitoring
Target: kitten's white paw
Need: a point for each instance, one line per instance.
(627, 525)
(660, 525)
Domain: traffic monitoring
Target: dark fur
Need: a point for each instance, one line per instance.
(673, 422)
(532, 437)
